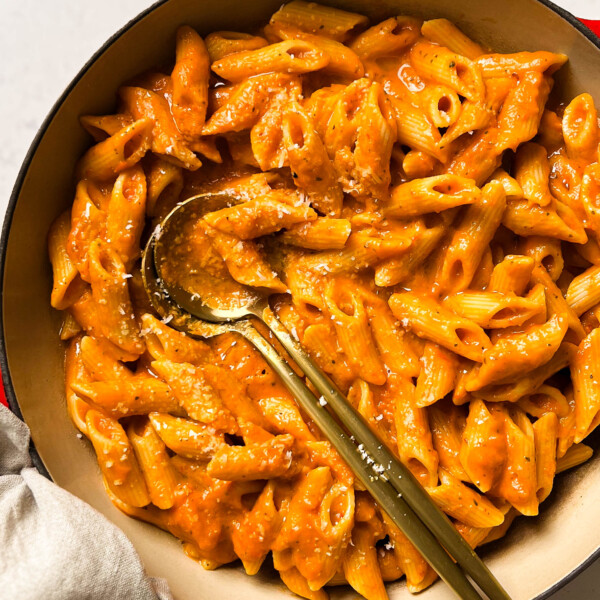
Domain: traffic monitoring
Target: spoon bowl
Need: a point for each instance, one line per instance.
(237, 301)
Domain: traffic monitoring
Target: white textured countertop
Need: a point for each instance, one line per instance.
(44, 43)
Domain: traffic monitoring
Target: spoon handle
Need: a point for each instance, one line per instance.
(398, 475)
(388, 498)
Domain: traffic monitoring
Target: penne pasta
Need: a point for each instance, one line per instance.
(185, 437)
(289, 56)
(545, 431)
(556, 220)
(430, 320)
(438, 375)
(118, 152)
(546, 252)
(323, 20)
(125, 214)
(464, 503)
(580, 128)
(415, 444)
(111, 297)
(470, 239)
(496, 65)
(445, 33)
(126, 397)
(519, 353)
(343, 61)
(448, 68)
(159, 474)
(575, 456)
(269, 460)
(512, 274)
(522, 110)
(585, 386)
(222, 43)
(261, 216)
(116, 459)
(387, 38)
(431, 194)
(64, 271)
(492, 310)
(584, 291)
(323, 233)
(311, 168)
(165, 140)
(361, 567)
(532, 172)
(447, 422)
(190, 83)
(353, 331)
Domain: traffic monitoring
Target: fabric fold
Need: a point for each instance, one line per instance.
(53, 545)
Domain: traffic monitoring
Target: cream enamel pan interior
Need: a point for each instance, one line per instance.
(537, 556)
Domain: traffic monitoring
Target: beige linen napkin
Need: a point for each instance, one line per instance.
(53, 546)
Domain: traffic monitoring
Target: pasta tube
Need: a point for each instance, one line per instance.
(64, 270)
(186, 438)
(323, 20)
(323, 233)
(431, 194)
(580, 128)
(111, 296)
(311, 167)
(361, 568)
(585, 385)
(446, 33)
(512, 274)
(120, 151)
(584, 291)
(430, 320)
(269, 460)
(159, 474)
(125, 214)
(438, 375)
(415, 445)
(556, 220)
(447, 422)
(575, 456)
(195, 394)
(463, 503)
(532, 172)
(289, 56)
(493, 310)
(545, 431)
(190, 83)
(516, 354)
(261, 216)
(253, 538)
(244, 260)
(166, 140)
(221, 43)
(497, 65)
(448, 68)
(353, 331)
(116, 458)
(126, 397)
(387, 38)
(471, 237)
(343, 61)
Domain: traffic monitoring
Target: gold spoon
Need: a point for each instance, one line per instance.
(390, 483)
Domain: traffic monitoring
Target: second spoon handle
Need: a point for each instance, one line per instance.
(379, 487)
(399, 476)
